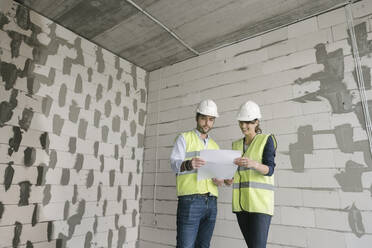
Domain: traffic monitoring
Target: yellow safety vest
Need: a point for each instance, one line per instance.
(187, 183)
(252, 191)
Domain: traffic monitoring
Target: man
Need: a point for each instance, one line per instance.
(197, 200)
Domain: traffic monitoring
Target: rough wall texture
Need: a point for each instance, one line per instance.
(303, 77)
(72, 121)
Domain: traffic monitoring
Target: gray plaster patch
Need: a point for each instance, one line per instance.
(72, 145)
(350, 180)
(361, 33)
(97, 118)
(79, 162)
(133, 157)
(74, 112)
(121, 164)
(75, 196)
(134, 76)
(116, 152)
(99, 192)
(46, 105)
(127, 89)
(17, 234)
(29, 156)
(34, 215)
(79, 60)
(3, 20)
(44, 141)
(138, 171)
(99, 92)
(82, 131)
(27, 115)
(112, 178)
(78, 85)
(95, 224)
(25, 189)
(47, 194)
(116, 124)
(121, 237)
(133, 128)
(41, 79)
(88, 240)
(110, 83)
(130, 178)
(118, 98)
(53, 159)
(65, 177)
(117, 221)
(22, 17)
(105, 131)
(102, 160)
(123, 139)
(58, 123)
(332, 86)
(303, 146)
(108, 108)
(125, 206)
(66, 210)
(88, 100)
(1, 210)
(8, 176)
(90, 74)
(6, 113)
(143, 95)
(109, 238)
(141, 140)
(9, 74)
(15, 141)
(126, 113)
(62, 95)
(118, 68)
(100, 61)
(75, 219)
(104, 207)
(41, 172)
(15, 44)
(118, 198)
(29, 244)
(135, 106)
(90, 178)
(356, 221)
(96, 147)
(134, 216)
(136, 192)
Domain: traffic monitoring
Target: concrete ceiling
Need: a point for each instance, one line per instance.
(201, 25)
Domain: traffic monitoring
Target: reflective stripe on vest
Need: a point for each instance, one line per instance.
(252, 191)
(187, 183)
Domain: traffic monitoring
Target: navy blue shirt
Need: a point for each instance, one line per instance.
(268, 155)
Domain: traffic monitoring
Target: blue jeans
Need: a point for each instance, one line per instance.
(254, 227)
(196, 216)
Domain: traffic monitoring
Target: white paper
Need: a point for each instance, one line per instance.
(219, 164)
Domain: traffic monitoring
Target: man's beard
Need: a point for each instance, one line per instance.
(201, 130)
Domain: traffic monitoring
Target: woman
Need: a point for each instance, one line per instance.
(253, 185)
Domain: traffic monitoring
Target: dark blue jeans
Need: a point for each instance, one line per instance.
(196, 217)
(255, 228)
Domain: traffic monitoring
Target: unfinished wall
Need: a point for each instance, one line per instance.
(72, 119)
(303, 77)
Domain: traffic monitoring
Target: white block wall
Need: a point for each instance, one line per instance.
(72, 125)
(302, 77)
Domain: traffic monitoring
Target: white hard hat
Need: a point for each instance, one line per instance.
(207, 107)
(249, 111)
